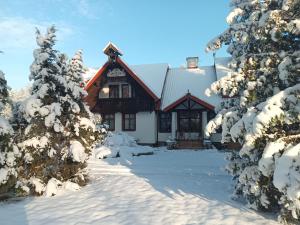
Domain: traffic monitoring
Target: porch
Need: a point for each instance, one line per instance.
(188, 129)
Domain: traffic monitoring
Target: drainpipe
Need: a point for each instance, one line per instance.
(157, 128)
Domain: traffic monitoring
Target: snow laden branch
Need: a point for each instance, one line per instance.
(261, 102)
(9, 153)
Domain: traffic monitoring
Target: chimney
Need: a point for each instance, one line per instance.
(192, 62)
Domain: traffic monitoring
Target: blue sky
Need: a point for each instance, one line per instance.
(147, 31)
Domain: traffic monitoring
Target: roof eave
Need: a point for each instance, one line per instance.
(96, 76)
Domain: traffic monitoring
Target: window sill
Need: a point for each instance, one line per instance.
(128, 130)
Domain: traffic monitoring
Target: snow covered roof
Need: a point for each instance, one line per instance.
(222, 67)
(181, 81)
(171, 84)
(153, 75)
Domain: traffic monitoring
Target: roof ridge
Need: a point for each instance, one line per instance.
(145, 64)
(185, 68)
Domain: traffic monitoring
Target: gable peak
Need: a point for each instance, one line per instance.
(112, 50)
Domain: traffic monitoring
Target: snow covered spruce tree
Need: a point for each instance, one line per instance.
(80, 111)
(81, 129)
(263, 113)
(52, 146)
(8, 151)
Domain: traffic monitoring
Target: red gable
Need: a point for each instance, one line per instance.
(186, 97)
(128, 70)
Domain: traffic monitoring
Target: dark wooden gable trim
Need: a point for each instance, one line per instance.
(128, 70)
(96, 76)
(186, 97)
(91, 89)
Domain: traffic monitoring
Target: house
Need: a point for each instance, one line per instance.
(154, 102)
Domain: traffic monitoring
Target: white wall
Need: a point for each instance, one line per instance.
(145, 127)
(118, 122)
(162, 137)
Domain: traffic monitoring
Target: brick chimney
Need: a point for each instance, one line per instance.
(192, 62)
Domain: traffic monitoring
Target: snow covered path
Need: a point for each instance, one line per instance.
(169, 187)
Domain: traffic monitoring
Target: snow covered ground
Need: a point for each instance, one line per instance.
(168, 187)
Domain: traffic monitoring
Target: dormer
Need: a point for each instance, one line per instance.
(112, 51)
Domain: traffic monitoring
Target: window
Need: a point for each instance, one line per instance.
(109, 119)
(189, 121)
(183, 117)
(114, 91)
(129, 122)
(165, 120)
(195, 121)
(125, 91)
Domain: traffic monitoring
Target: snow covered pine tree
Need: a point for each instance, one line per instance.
(8, 150)
(263, 111)
(54, 152)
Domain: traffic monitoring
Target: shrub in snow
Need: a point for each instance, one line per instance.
(60, 130)
(8, 150)
(113, 143)
(119, 144)
(102, 151)
(119, 139)
(77, 152)
(70, 186)
(52, 187)
(262, 113)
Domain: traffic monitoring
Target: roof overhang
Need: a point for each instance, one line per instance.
(96, 76)
(113, 47)
(186, 97)
(128, 70)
